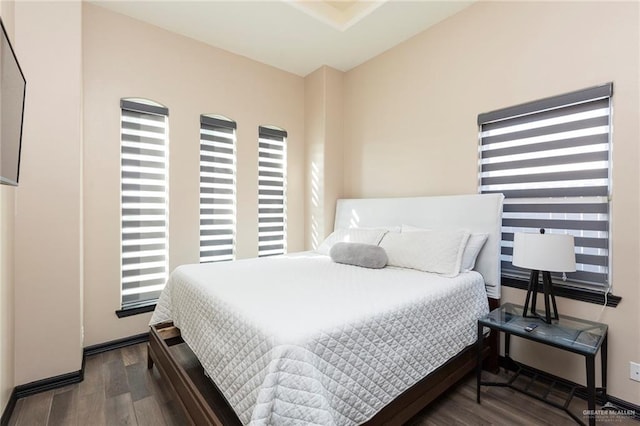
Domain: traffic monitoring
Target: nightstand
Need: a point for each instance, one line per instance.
(575, 335)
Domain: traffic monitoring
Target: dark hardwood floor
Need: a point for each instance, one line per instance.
(119, 390)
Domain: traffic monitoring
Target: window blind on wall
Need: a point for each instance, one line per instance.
(217, 188)
(551, 159)
(143, 159)
(272, 179)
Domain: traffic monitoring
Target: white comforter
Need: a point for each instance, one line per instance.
(299, 339)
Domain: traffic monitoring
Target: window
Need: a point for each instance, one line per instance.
(551, 159)
(143, 157)
(217, 188)
(272, 200)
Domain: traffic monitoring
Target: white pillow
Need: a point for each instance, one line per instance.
(471, 251)
(352, 235)
(429, 251)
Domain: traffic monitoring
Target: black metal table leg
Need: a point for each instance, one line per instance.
(507, 344)
(591, 388)
(603, 365)
(479, 361)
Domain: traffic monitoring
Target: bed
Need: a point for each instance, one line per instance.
(300, 339)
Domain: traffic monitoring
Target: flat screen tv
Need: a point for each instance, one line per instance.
(12, 93)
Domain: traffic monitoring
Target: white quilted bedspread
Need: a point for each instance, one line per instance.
(299, 339)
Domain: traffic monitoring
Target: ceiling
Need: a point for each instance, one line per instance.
(298, 36)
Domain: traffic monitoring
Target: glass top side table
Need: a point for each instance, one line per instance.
(572, 334)
(567, 333)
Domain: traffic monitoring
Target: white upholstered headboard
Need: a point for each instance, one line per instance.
(477, 213)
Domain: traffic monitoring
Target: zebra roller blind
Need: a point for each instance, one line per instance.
(144, 170)
(272, 190)
(551, 159)
(217, 188)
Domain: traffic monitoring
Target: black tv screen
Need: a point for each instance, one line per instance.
(12, 93)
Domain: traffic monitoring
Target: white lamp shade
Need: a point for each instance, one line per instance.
(544, 252)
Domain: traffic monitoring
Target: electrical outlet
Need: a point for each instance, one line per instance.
(634, 371)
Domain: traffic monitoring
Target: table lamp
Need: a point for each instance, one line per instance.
(544, 253)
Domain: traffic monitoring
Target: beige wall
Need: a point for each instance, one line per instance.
(410, 123)
(127, 58)
(324, 151)
(7, 285)
(334, 145)
(7, 282)
(48, 255)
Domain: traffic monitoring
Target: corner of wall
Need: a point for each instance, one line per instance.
(7, 286)
(7, 280)
(324, 152)
(48, 249)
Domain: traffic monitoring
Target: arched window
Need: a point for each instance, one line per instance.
(272, 191)
(217, 188)
(144, 200)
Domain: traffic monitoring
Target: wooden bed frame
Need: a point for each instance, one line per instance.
(209, 407)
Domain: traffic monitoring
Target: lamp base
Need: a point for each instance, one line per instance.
(550, 312)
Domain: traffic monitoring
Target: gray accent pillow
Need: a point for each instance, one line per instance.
(358, 254)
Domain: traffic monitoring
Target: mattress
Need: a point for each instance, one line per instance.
(299, 339)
